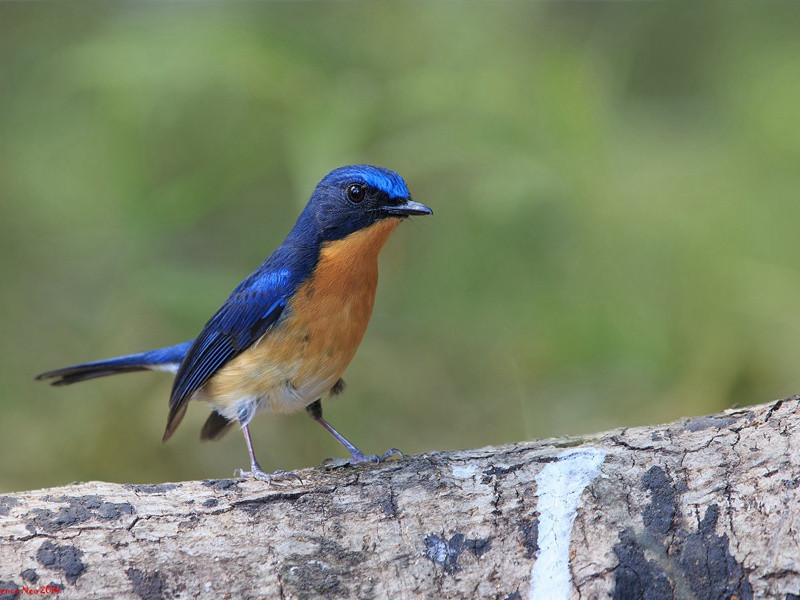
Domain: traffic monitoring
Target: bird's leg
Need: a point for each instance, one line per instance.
(255, 468)
(356, 456)
(256, 472)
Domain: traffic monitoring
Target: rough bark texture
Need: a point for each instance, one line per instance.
(703, 508)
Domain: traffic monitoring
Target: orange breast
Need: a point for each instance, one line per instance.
(302, 358)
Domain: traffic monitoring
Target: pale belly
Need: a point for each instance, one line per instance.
(269, 387)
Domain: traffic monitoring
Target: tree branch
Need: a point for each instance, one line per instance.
(702, 508)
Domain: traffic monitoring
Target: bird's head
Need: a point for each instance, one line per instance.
(355, 197)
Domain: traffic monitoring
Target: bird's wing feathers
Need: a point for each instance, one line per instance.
(233, 329)
(253, 307)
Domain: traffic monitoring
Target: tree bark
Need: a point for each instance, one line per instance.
(702, 508)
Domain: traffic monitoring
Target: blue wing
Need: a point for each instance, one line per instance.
(253, 307)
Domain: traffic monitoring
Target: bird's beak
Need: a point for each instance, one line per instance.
(406, 208)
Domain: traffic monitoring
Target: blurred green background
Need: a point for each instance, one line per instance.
(615, 188)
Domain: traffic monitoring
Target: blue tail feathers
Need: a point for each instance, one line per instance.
(162, 359)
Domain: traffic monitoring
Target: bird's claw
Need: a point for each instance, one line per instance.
(393, 452)
(276, 477)
(360, 458)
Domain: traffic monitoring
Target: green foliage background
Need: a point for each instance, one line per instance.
(615, 238)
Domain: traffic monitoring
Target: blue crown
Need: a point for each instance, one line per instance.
(379, 178)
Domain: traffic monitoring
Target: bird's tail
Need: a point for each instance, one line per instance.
(162, 359)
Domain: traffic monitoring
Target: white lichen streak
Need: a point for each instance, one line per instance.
(465, 471)
(559, 488)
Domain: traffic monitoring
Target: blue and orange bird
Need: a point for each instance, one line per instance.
(283, 338)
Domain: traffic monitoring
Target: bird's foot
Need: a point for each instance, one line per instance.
(276, 477)
(359, 458)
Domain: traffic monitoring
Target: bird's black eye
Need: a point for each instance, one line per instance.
(355, 192)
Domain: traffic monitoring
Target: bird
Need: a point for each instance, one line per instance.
(286, 334)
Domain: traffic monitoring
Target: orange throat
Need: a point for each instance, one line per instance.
(336, 301)
(355, 254)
